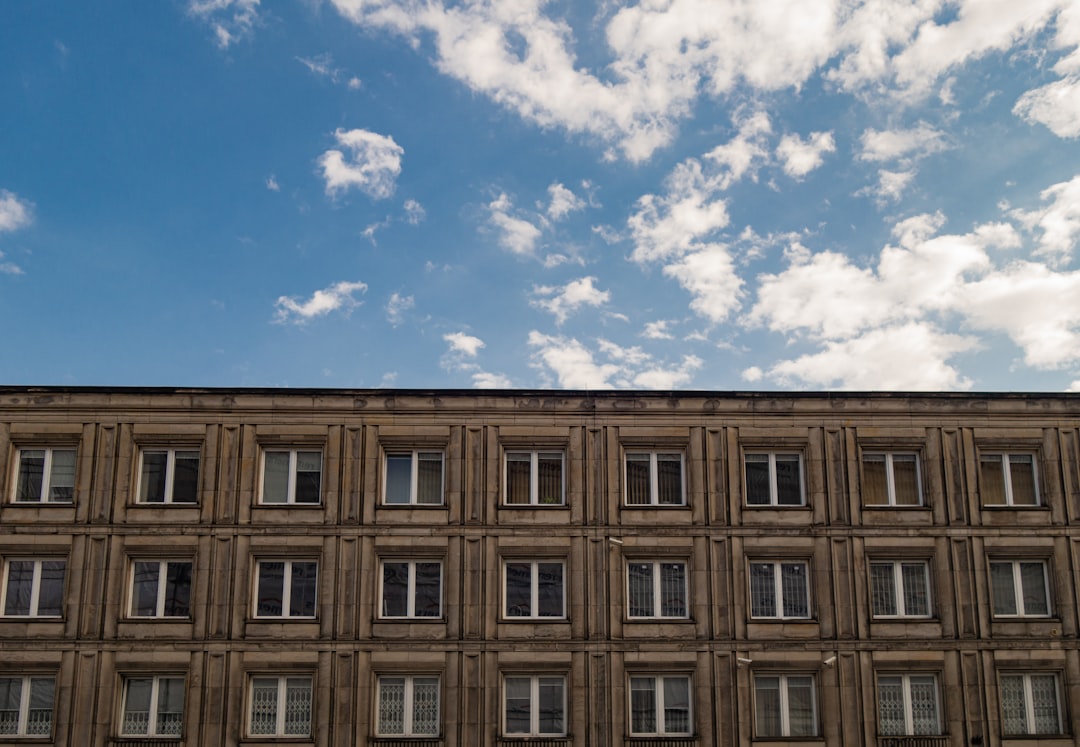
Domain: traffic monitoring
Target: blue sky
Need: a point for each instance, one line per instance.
(664, 194)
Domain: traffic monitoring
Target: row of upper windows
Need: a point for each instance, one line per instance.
(536, 704)
(531, 589)
(530, 478)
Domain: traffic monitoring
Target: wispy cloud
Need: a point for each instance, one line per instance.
(565, 300)
(372, 165)
(231, 20)
(396, 307)
(890, 145)
(9, 268)
(272, 184)
(15, 213)
(563, 201)
(339, 296)
(576, 366)
(414, 212)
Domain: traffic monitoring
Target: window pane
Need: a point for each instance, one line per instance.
(757, 479)
(137, 706)
(308, 476)
(276, 477)
(1013, 707)
(669, 479)
(550, 589)
(518, 715)
(518, 467)
(640, 589)
(178, 590)
(391, 705)
(152, 480)
(1033, 579)
(762, 590)
(39, 719)
(186, 479)
(673, 589)
(170, 706)
(882, 591)
(875, 486)
(1002, 589)
(264, 692)
(271, 589)
(145, 589)
(643, 705)
(31, 476)
(1022, 478)
(550, 482)
(20, 583)
(302, 589)
(1044, 703)
(51, 591)
(924, 709)
(676, 705)
(425, 716)
(767, 721)
(62, 479)
(398, 478)
(10, 700)
(788, 481)
(794, 587)
(992, 480)
(891, 720)
(550, 713)
(800, 693)
(395, 591)
(916, 595)
(906, 479)
(637, 480)
(298, 706)
(428, 592)
(429, 479)
(519, 589)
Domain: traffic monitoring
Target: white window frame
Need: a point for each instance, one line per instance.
(778, 589)
(534, 589)
(534, 477)
(899, 588)
(280, 705)
(890, 478)
(35, 588)
(411, 590)
(657, 589)
(1018, 588)
(22, 728)
(785, 705)
(534, 705)
(286, 591)
(654, 477)
(774, 491)
(162, 587)
(170, 475)
(154, 714)
(414, 455)
(1028, 704)
(1003, 459)
(409, 715)
(658, 699)
(290, 491)
(46, 476)
(908, 707)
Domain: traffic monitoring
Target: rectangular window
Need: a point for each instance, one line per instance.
(654, 479)
(153, 707)
(411, 588)
(534, 478)
(900, 589)
(908, 705)
(286, 588)
(45, 476)
(779, 590)
(34, 588)
(292, 477)
(774, 479)
(169, 476)
(656, 589)
(1008, 480)
(784, 706)
(890, 479)
(26, 706)
(161, 588)
(408, 706)
(534, 706)
(1019, 588)
(660, 706)
(280, 707)
(414, 478)
(534, 589)
(1030, 705)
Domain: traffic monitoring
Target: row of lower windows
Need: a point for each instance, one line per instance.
(531, 478)
(161, 588)
(784, 705)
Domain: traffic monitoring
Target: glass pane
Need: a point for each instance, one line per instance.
(875, 486)
(924, 709)
(39, 719)
(550, 480)
(62, 479)
(170, 706)
(302, 589)
(144, 589)
(882, 591)
(518, 469)
(264, 693)
(906, 479)
(178, 590)
(640, 589)
(20, 583)
(395, 591)
(398, 478)
(676, 705)
(550, 711)
(1013, 708)
(643, 705)
(637, 480)
(518, 696)
(800, 694)
(992, 480)
(391, 705)
(297, 706)
(276, 477)
(891, 720)
(767, 721)
(673, 589)
(425, 716)
(429, 479)
(428, 590)
(137, 706)
(757, 480)
(271, 590)
(519, 589)
(186, 480)
(550, 589)
(669, 479)
(152, 480)
(1044, 703)
(31, 478)
(1002, 588)
(10, 700)
(916, 594)
(1022, 479)
(51, 592)
(788, 480)
(308, 476)
(762, 590)
(795, 590)
(1033, 579)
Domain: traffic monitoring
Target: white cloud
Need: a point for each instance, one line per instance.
(322, 65)
(414, 212)
(322, 302)
(753, 374)
(272, 184)
(463, 344)
(890, 186)
(231, 20)
(486, 380)
(9, 268)
(563, 201)
(397, 306)
(515, 234)
(657, 330)
(891, 145)
(799, 157)
(564, 301)
(354, 83)
(577, 367)
(1056, 105)
(571, 362)
(1058, 222)
(373, 163)
(15, 213)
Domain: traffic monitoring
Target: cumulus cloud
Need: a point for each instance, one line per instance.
(891, 145)
(657, 330)
(372, 165)
(516, 235)
(1056, 105)
(464, 344)
(890, 186)
(414, 212)
(799, 157)
(338, 296)
(230, 20)
(272, 184)
(1058, 222)
(568, 299)
(487, 380)
(15, 213)
(575, 366)
(396, 307)
(563, 202)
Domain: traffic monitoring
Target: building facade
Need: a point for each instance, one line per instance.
(222, 567)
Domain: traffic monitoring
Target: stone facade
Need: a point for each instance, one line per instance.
(457, 568)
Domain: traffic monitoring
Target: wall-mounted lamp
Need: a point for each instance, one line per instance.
(614, 541)
(830, 661)
(741, 660)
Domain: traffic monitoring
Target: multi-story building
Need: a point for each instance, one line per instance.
(557, 569)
